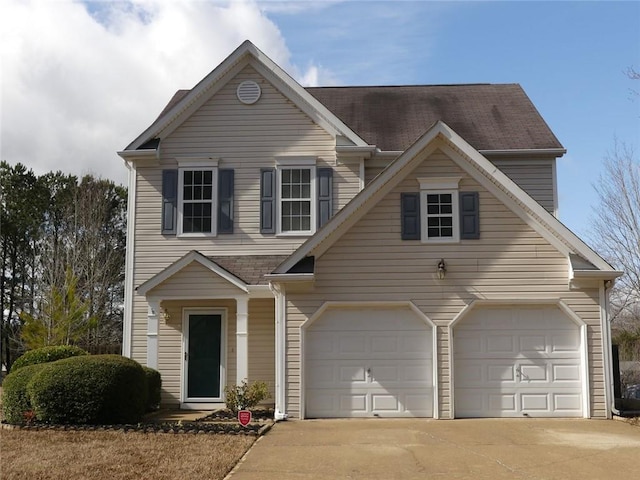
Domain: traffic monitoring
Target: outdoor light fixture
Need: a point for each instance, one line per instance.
(442, 269)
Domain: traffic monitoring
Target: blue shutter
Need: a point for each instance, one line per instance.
(268, 200)
(325, 195)
(169, 201)
(225, 201)
(469, 216)
(410, 214)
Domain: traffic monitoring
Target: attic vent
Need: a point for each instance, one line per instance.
(248, 92)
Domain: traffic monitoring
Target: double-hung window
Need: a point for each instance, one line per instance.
(297, 203)
(439, 207)
(197, 199)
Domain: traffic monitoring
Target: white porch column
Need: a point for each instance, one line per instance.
(281, 331)
(152, 332)
(242, 339)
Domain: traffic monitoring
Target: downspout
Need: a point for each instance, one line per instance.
(129, 270)
(280, 341)
(606, 349)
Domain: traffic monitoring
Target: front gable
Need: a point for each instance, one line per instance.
(186, 104)
(224, 127)
(463, 158)
(193, 276)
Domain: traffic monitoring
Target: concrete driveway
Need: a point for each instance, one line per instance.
(375, 449)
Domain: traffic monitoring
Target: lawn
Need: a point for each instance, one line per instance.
(98, 455)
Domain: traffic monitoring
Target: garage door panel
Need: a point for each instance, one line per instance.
(385, 370)
(541, 375)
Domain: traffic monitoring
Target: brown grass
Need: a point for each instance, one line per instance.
(48, 455)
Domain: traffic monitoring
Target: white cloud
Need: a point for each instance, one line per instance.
(80, 81)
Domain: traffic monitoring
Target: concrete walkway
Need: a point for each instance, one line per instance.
(386, 449)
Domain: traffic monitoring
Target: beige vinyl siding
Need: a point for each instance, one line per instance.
(195, 280)
(262, 350)
(510, 261)
(536, 177)
(245, 138)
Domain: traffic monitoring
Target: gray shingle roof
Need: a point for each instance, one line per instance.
(488, 116)
(251, 269)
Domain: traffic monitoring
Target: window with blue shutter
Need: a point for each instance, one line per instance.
(469, 216)
(169, 201)
(225, 201)
(440, 216)
(267, 200)
(325, 195)
(410, 214)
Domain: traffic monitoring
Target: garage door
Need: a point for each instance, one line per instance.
(517, 362)
(369, 362)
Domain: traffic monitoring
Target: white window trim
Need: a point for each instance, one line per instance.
(288, 164)
(439, 186)
(199, 164)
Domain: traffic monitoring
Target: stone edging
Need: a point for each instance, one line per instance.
(193, 428)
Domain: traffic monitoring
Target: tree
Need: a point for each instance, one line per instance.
(23, 200)
(62, 320)
(52, 225)
(616, 229)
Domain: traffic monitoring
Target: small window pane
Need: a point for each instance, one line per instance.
(306, 175)
(208, 177)
(445, 198)
(295, 176)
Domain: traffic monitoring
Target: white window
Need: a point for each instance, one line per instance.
(296, 187)
(439, 206)
(197, 199)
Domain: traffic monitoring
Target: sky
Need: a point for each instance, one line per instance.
(81, 79)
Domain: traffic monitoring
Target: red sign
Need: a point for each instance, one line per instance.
(244, 417)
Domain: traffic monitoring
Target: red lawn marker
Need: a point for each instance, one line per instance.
(244, 417)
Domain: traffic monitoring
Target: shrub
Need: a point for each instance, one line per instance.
(15, 399)
(154, 388)
(46, 355)
(240, 397)
(93, 389)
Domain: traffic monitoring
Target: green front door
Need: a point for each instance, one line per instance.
(203, 357)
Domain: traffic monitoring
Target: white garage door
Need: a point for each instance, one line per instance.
(517, 362)
(368, 362)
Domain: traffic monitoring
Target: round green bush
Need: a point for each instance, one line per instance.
(46, 355)
(92, 389)
(154, 388)
(15, 399)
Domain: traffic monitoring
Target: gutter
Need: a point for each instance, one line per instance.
(555, 152)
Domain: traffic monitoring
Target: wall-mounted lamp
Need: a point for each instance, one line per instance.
(442, 269)
(165, 314)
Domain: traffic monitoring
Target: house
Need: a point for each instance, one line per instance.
(366, 251)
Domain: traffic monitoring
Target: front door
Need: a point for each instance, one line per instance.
(203, 365)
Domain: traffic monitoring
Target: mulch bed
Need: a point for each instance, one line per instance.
(222, 422)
